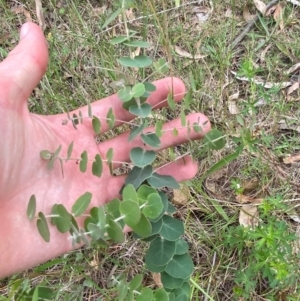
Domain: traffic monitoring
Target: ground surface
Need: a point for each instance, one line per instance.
(263, 118)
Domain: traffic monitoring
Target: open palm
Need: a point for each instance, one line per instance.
(24, 173)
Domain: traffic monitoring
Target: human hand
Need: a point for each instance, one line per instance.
(24, 173)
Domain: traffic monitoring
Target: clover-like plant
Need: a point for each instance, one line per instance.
(143, 207)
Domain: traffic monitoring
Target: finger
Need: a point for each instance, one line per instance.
(157, 99)
(25, 65)
(122, 146)
(181, 170)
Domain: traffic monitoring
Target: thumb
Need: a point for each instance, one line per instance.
(25, 65)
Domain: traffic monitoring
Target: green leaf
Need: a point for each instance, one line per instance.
(90, 114)
(118, 40)
(138, 175)
(156, 226)
(158, 128)
(138, 90)
(188, 99)
(140, 61)
(141, 157)
(170, 282)
(161, 65)
(63, 221)
(160, 251)
(181, 246)
(96, 231)
(154, 206)
(149, 87)
(109, 157)
(159, 181)
(129, 193)
(114, 230)
(184, 289)
(131, 212)
(146, 295)
(113, 207)
(171, 102)
(182, 118)
(75, 121)
(220, 164)
(96, 125)
(81, 204)
(122, 290)
(143, 111)
(180, 266)
(143, 192)
(130, 296)
(153, 267)
(70, 150)
(141, 44)
(83, 162)
(135, 282)
(46, 155)
(151, 139)
(125, 94)
(43, 228)
(143, 228)
(171, 209)
(214, 139)
(110, 118)
(161, 295)
(53, 158)
(137, 130)
(171, 228)
(31, 208)
(97, 166)
(113, 16)
(182, 297)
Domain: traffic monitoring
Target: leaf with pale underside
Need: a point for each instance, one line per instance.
(81, 204)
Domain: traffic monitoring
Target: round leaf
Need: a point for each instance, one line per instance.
(170, 282)
(138, 175)
(114, 231)
(131, 212)
(125, 94)
(180, 266)
(154, 206)
(146, 295)
(142, 110)
(151, 139)
(138, 90)
(159, 181)
(143, 228)
(160, 251)
(161, 295)
(141, 157)
(214, 139)
(181, 246)
(171, 228)
(135, 282)
(129, 193)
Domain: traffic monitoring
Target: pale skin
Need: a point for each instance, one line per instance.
(24, 135)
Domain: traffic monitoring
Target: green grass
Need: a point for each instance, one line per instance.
(82, 66)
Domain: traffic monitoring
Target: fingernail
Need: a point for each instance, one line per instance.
(24, 30)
